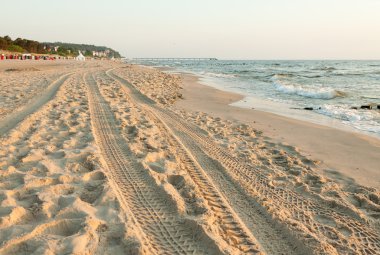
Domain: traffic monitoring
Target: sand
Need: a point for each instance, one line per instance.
(54, 196)
(345, 156)
(124, 159)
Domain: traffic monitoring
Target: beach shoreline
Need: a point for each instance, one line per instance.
(285, 109)
(344, 154)
(103, 155)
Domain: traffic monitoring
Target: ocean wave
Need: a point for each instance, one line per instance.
(283, 75)
(368, 121)
(244, 71)
(312, 76)
(324, 68)
(370, 97)
(296, 89)
(218, 75)
(342, 113)
(348, 74)
(301, 75)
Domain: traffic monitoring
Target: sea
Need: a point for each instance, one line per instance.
(333, 91)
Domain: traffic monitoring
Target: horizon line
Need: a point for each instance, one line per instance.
(249, 59)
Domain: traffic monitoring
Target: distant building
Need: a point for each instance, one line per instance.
(80, 57)
(100, 54)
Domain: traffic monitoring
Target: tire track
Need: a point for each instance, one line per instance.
(231, 225)
(336, 230)
(271, 238)
(11, 120)
(163, 231)
(352, 236)
(234, 232)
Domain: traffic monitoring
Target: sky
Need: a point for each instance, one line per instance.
(224, 29)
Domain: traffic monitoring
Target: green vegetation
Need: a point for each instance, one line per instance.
(15, 48)
(59, 48)
(21, 45)
(86, 49)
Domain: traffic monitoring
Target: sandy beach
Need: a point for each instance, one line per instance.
(342, 155)
(104, 157)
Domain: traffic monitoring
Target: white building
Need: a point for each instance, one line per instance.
(80, 57)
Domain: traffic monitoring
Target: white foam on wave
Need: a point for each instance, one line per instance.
(365, 120)
(370, 96)
(296, 89)
(219, 75)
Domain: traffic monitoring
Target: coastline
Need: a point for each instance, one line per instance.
(112, 145)
(250, 101)
(344, 155)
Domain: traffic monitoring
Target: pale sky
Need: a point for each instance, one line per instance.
(225, 29)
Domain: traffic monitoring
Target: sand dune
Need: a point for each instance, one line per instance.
(108, 165)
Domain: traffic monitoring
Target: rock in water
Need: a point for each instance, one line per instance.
(368, 107)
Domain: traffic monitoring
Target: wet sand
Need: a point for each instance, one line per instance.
(345, 156)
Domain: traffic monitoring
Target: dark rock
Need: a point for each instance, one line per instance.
(308, 108)
(354, 108)
(367, 107)
(378, 106)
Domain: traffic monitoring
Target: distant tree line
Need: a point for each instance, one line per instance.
(59, 48)
(86, 49)
(21, 45)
